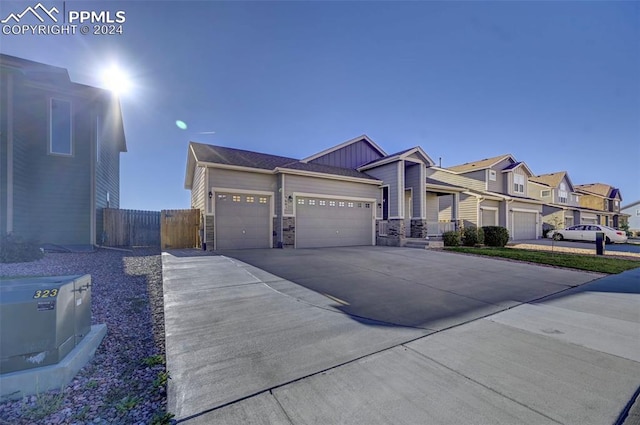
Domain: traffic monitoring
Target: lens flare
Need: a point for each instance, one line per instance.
(181, 124)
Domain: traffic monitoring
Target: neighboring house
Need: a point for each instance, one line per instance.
(495, 194)
(561, 202)
(59, 154)
(633, 212)
(604, 200)
(351, 194)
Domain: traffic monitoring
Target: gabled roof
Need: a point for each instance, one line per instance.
(552, 179)
(363, 137)
(398, 156)
(437, 184)
(480, 165)
(515, 165)
(631, 205)
(238, 158)
(599, 189)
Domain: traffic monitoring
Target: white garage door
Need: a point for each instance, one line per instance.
(524, 225)
(324, 222)
(488, 217)
(589, 220)
(242, 221)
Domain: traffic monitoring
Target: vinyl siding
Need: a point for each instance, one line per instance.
(468, 210)
(330, 187)
(455, 179)
(198, 189)
(432, 207)
(445, 208)
(351, 156)
(243, 180)
(508, 181)
(593, 202)
(412, 180)
(498, 185)
(388, 173)
(107, 169)
(534, 190)
(52, 194)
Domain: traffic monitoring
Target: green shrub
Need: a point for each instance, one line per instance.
(451, 238)
(14, 249)
(495, 236)
(472, 236)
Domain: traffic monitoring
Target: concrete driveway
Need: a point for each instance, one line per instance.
(376, 339)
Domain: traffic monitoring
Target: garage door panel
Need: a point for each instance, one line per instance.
(329, 222)
(242, 221)
(524, 225)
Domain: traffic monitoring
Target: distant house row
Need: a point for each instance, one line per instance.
(355, 193)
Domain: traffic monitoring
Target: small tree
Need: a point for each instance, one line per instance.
(556, 222)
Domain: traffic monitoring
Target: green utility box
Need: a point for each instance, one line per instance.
(42, 319)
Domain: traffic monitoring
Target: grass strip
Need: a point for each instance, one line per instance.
(573, 261)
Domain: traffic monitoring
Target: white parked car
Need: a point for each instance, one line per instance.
(587, 232)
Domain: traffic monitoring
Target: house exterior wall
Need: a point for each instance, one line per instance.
(445, 207)
(455, 179)
(478, 176)
(432, 207)
(350, 156)
(413, 180)
(468, 210)
(534, 190)
(243, 180)
(51, 193)
(199, 192)
(634, 216)
(388, 173)
(593, 202)
(509, 179)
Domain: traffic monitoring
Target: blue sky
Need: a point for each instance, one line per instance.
(556, 84)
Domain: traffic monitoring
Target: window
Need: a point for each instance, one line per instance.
(562, 194)
(367, 205)
(359, 204)
(322, 203)
(332, 203)
(350, 204)
(236, 198)
(545, 193)
(518, 183)
(341, 204)
(60, 127)
(492, 175)
(262, 200)
(250, 199)
(576, 198)
(312, 201)
(638, 212)
(300, 201)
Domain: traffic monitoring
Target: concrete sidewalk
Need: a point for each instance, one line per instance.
(241, 352)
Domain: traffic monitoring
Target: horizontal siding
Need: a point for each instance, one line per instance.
(412, 180)
(525, 206)
(388, 173)
(468, 210)
(445, 208)
(198, 189)
(432, 212)
(455, 179)
(302, 184)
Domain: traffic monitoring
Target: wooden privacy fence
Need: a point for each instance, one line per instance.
(131, 227)
(180, 229)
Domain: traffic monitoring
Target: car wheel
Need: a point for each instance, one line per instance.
(557, 237)
(607, 240)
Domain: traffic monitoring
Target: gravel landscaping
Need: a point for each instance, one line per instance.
(125, 383)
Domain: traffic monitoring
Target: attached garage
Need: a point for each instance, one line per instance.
(327, 222)
(589, 219)
(242, 220)
(524, 225)
(488, 216)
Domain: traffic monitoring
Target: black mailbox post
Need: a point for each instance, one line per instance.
(600, 243)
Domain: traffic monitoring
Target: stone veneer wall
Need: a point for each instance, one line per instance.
(288, 232)
(209, 232)
(395, 233)
(418, 228)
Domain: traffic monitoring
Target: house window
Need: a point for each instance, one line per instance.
(300, 201)
(60, 127)
(250, 199)
(518, 183)
(332, 203)
(312, 201)
(350, 204)
(562, 195)
(576, 198)
(545, 193)
(492, 175)
(236, 198)
(341, 204)
(322, 203)
(638, 212)
(262, 200)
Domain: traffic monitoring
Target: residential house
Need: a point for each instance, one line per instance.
(350, 194)
(632, 211)
(604, 200)
(60, 145)
(561, 207)
(495, 193)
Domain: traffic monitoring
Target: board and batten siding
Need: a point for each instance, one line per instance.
(455, 179)
(52, 193)
(350, 156)
(388, 173)
(329, 187)
(198, 189)
(413, 181)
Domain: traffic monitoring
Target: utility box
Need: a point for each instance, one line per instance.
(42, 319)
(600, 242)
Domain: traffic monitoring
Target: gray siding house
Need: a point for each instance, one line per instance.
(60, 145)
(633, 212)
(351, 194)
